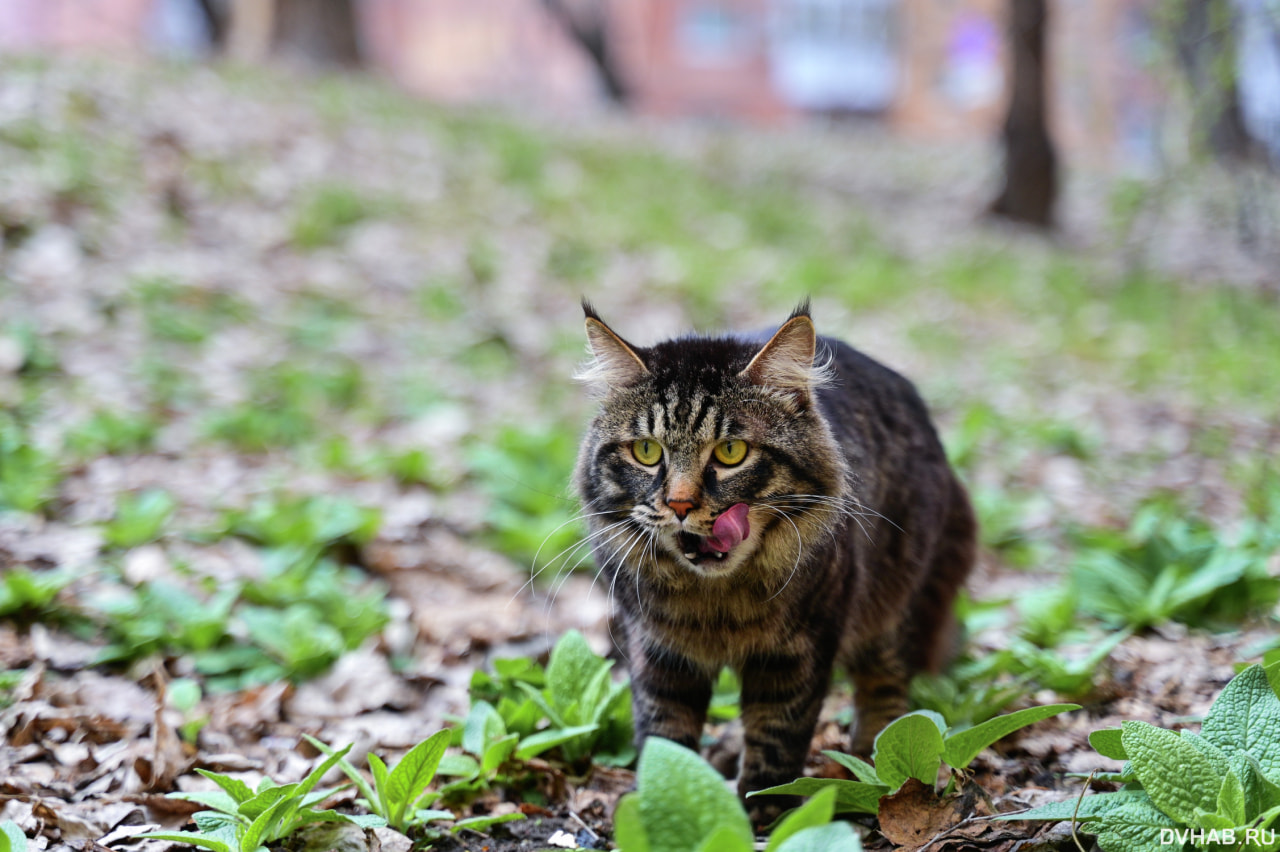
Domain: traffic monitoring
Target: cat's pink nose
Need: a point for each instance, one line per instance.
(681, 507)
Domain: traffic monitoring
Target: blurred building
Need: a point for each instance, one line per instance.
(932, 68)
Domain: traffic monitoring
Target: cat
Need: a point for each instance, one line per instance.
(776, 504)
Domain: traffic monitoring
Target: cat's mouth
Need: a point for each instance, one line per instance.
(730, 529)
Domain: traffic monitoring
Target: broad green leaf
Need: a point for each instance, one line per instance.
(191, 838)
(234, 787)
(260, 831)
(12, 838)
(406, 783)
(216, 799)
(534, 745)
(1080, 808)
(909, 747)
(1177, 775)
(1260, 792)
(1246, 717)
(683, 800)
(861, 770)
(306, 816)
(536, 696)
(571, 669)
(498, 752)
(1106, 742)
(959, 749)
(480, 823)
(426, 815)
(725, 839)
(835, 837)
(265, 800)
(1217, 757)
(1135, 827)
(483, 726)
(851, 796)
(1231, 799)
(458, 765)
(817, 811)
(628, 830)
(380, 775)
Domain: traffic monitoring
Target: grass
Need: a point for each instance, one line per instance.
(441, 363)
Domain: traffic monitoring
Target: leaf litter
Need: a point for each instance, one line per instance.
(209, 193)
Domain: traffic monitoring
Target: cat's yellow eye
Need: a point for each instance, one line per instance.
(647, 451)
(731, 451)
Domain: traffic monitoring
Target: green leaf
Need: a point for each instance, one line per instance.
(909, 747)
(1135, 827)
(1177, 776)
(571, 669)
(1107, 742)
(480, 823)
(851, 796)
(216, 799)
(12, 838)
(959, 749)
(498, 752)
(483, 726)
(378, 770)
(234, 787)
(628, 829)
(1246, 717)
(1081, 808)
(414, 772)
(191, 838)
(683, 800)
(371, 795)
(1231, 799)
(459, 766)
(817, 811)
(836, 837)
(725, 839)
(425, 815)
(536, 744)
(861, 770)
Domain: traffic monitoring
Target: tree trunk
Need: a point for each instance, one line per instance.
(1206, 48)
(315, 32)
(590, 30)
(1030, 164)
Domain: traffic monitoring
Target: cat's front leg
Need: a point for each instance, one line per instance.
(781, 697)
(669, 696)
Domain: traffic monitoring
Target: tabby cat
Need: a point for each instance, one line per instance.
(775, 505)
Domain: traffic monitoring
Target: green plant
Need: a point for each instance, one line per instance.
(9, 680)
(400, 795)
(283, 521)
(139, 518)
(581, 695)
(25, 590)
(12, 838)
(1165, 567)
(491, 747)
(681, 804)
(525, 473)
(247, 820)
(29, 476)
(1219, 788)
(326, 213)
(111, 433)
(912, 746)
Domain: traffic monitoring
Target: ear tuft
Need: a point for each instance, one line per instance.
(612, 363)
(785, 363)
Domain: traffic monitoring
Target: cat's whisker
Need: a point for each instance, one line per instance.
(557, 583)
(566, 554)
(799, 550)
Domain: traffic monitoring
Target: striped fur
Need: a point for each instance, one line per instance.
(860, 534)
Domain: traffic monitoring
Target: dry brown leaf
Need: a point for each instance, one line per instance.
(915, 815)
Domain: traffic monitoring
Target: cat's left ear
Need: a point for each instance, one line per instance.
(614, 363)
(786, 361)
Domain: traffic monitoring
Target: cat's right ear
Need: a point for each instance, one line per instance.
(613, 362)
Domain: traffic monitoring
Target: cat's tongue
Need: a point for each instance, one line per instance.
(729, 529)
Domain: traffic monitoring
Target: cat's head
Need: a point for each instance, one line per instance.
(709, 453)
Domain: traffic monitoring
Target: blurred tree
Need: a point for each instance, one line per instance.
(587, 23)
(1030, 163)
(1205, 45)
(316, 32)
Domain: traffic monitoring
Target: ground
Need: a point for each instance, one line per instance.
(285, 367)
